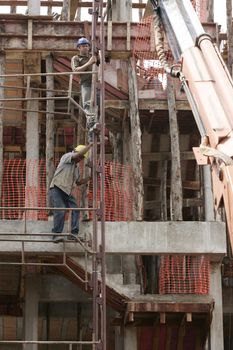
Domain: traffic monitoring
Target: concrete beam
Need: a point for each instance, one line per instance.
(144, 238)
(154, 104)
(62, 36)
(59, 289)
(216, 330)
(34, 7)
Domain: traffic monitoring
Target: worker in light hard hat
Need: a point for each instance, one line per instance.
(82, 62)
(65, 177)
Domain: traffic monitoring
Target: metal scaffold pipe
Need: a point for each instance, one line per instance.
(98, 280)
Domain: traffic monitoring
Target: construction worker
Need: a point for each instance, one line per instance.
(82, 62)
(64, 179)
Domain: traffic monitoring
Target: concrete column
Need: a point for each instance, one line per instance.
(34, 7)
(216, 329)
(2, 94)
(32, 155)
(49, 126)
(130, 338)
(129, 269)
(122, 10)
(31, 310)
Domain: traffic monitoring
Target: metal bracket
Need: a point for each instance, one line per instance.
(200, 158)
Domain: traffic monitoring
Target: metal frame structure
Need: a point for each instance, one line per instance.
(97, 283)
(209, 89)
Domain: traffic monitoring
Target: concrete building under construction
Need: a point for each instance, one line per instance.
(154, 268)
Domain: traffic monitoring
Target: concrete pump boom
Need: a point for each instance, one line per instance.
(209, 88)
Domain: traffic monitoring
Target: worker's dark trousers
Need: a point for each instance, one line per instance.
(60, 199)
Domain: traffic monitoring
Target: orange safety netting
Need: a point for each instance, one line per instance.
(184, 275)
(150, 73)
(24, 185)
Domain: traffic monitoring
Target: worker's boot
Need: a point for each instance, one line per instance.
(58, 238)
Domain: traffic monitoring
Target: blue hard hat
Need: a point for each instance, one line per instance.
(83, 41)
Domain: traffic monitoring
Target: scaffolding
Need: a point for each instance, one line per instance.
(94, 280)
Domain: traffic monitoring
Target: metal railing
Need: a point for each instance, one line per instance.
(97, 250)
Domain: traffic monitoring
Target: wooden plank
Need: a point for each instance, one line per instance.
(128, 36)
(12, 149)
(30, 25)
(135, 142)
(14, 66)
(109, 35)
(176, 184)
(116, 104)
(163, 191)
(32, 64)
(160, 156)
(65, 13)
(186, 203)
(146, 147)
(161, 104)
(73, 8)
(172, 306)
(57, 3)
(146, 105)
(190, 185)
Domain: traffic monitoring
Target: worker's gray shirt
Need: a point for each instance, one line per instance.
(66, 174)
(78, 61)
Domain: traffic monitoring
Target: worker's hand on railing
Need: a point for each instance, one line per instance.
(92, 60)
(83, 181)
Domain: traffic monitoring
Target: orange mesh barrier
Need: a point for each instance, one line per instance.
(19, 190)
(150, 73)
(118, 192)
(184, 275)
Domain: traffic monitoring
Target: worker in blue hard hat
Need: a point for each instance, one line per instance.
(82, 62)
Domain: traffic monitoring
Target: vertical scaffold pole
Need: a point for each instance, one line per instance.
(102, 187)
(95, 284)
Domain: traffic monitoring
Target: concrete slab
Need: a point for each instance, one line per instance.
(144, 238)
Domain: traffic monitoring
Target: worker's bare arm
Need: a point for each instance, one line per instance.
(78, 156)
(85, 67)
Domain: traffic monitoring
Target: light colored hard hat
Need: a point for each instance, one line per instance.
(79, 148)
